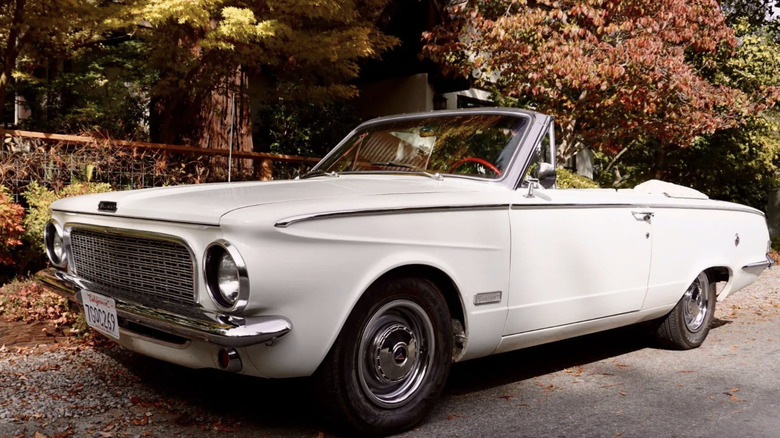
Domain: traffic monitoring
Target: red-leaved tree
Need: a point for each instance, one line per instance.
(610, 71)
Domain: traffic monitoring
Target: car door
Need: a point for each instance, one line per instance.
(576, 255)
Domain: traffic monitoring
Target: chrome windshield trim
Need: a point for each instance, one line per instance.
(758, 267)
(508, 179)
(194, 323)
(286, 222)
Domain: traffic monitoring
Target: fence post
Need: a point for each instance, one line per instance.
(266, 169)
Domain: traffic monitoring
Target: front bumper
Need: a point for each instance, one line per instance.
(195, 324)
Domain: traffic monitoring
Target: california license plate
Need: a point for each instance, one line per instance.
(100, 313)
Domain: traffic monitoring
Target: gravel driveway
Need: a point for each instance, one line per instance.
(610, 384)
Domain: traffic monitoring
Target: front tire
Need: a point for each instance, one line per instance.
(392, 358)
(688, 324)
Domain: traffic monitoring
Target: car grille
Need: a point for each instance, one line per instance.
(137, 267)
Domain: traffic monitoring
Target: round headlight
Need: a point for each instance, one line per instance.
(226, 277)
(55, 245)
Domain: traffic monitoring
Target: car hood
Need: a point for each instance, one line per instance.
(207, 203)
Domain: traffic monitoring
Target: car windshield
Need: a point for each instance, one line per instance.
(478, 145)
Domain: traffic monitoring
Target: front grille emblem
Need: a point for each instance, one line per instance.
(107, 206)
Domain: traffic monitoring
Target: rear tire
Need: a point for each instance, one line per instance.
(688, 324)
(391, 360)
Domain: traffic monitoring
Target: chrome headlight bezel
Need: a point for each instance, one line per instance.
(228, 301)
(54, 242)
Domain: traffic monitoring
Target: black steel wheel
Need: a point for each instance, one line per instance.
(391, 360)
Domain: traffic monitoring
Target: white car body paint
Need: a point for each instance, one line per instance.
(567, 262)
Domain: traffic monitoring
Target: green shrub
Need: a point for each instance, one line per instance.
(39, 200)
(11, 216)
(566, 179)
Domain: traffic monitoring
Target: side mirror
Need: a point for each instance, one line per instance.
(547, 175)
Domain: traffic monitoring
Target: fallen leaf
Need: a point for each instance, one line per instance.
(40, 435)
(222, 428)
(507, 397)
(622, 393)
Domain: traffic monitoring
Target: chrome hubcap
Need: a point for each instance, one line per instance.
(395, 353)
(696, 303)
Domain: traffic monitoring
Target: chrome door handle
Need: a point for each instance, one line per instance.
(643, 215)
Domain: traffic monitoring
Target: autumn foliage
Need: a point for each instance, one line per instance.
(611, 71)
(11, 229)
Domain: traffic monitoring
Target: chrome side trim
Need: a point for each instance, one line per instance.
(574, 206)
(286, 222)
(736, 208)
(195, 324)
(758, 267)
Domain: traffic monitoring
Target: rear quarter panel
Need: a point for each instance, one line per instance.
(688, 239)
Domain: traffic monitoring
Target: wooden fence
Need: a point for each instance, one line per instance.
(263, 162)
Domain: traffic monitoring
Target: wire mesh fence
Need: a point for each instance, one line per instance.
(58, 164)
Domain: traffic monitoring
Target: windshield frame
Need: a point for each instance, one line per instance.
(509, 176)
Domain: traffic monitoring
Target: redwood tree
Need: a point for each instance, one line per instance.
(611, 71)
(206, 50)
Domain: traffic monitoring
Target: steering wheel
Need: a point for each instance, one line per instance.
(478, 161)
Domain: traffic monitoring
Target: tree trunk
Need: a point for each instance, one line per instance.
(16, 40)
(567, 142)
(226, 122)
(226, 116)
(3, 87)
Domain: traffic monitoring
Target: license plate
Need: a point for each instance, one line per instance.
(100, 313)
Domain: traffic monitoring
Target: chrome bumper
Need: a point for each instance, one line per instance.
(758, 267)
(197, 324)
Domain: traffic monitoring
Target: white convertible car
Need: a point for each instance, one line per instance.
(419, 241)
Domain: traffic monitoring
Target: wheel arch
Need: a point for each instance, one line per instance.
(449, 291)
(718, 273)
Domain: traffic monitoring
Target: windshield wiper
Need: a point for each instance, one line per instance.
(318, 172)
(416, 169)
